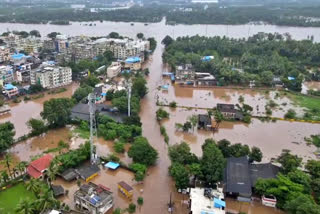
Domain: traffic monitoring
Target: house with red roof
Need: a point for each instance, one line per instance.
(37, 168)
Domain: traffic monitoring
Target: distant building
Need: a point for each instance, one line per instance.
(97, 199)
(205, 1)
(7, 75)
(37, 168)
(113, 70)
(185, 74)
(18, 59)
(87, 172)
(51, 76)
(126, 189)
(11, 90)
(241, 176)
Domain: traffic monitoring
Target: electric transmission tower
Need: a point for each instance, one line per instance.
(93, 126)
(129, 85)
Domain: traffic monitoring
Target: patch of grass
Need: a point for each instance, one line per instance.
(311, 104)
(10, 197)
(83, 133)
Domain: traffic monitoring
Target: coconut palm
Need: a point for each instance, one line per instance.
(52, 171)
(22, 167)
(4, 176)
(47, 201)
(7, 161)
(25, 207)
(194, 121)
(33, 185)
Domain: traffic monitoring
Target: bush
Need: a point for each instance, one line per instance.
(140, 201)
(173, 104)
(132, 208)
(291, 114)
(161, 114)
(142, 152)
(140, 171)
(118, 147)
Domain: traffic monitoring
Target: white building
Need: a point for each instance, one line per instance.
(205, 1)
(114, 69)
(51, 76)
(6, 73)
(202, 204)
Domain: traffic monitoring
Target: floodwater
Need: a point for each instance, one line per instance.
(312, 85)
(210, 97)
(160, 30)
(234, 206)
(270, 137)
(25, 110)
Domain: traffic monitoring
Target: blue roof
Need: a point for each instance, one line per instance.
(126, 71)
(166, 87)
(9, 87)
(103, 94)
(291, 78)
(219, 203)
(112, 165)
(206, 212)
(207, 58)
(18, 56)
(133, 59)
(173, 77)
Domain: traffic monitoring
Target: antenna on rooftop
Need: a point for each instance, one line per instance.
(93, 127)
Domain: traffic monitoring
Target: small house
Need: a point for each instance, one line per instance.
(69, 175)
(125, 189)
(88, 172)
(133, 63)
(227, 110)
(11, 90)
(57, 190)
(37, 168)
(204, 122)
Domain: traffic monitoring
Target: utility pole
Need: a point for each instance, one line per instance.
(170, 205)
(93, 127)
(129, 97)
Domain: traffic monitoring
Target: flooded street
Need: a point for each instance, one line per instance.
(25, 110)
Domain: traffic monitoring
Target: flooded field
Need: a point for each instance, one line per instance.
(210, 97)
(270, 137)
(23, 111)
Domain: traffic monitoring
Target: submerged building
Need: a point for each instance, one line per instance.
(97, 199)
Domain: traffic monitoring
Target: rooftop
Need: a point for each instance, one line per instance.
(36, 167)
(226, 108)
(201, 204)
(87, 171)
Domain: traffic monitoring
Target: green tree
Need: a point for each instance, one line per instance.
(302, 204)
(167, 41)
(57, 111)
(180, 175)
(161, 114)
(117, 211)
(139, 87)
(35, 33)
(153, 43)
(181, 153)
(82, 92)
(7, 162)
(25, 206)
(37, 126)
(142, 152)
(140, 201)
(289, 162)
(92, 80)
(313, 167)
(186, 126)
(33, 185)
(140, 170)
(4, 176)
(193, 120)
(255, 154)
(140, 35)
(212, 162)
(302, 178)
(53, 35)
(6, 135)
(119, 147)
(195, 169)
(132, 208)
(114, 35)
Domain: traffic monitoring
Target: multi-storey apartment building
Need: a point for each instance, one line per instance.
(50, 76)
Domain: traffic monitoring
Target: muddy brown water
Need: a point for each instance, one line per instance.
(23, 111)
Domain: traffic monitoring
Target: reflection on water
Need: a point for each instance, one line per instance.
(23, 111)
(235, 206)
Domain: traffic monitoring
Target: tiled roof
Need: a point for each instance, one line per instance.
(37, 166)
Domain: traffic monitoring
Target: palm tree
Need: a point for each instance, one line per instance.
(4, 176)
(25, 207)
(7, 161)
(52, 171)
(33, 185)
(194, 121)
(22, 167)
(47, 201)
